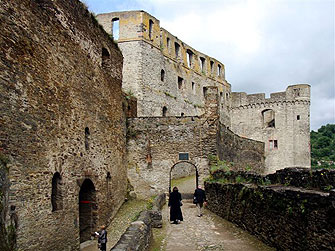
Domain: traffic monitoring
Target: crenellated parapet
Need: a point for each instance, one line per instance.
(294, 94)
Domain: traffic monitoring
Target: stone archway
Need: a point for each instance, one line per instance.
(87, 210)
(181, 162)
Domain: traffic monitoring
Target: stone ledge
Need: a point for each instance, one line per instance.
(138, 235)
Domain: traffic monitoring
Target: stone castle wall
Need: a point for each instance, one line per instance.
(154, 145)
(251, 115)
(283, 216)
(151, 52)
(146, 57)
(60, 112)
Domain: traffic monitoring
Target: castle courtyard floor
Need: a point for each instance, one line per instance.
(209, 232)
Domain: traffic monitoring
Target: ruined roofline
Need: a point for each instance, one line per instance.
(136, 28)
(298, 92)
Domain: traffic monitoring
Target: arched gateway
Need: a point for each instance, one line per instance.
(87, 210)
(181, 162)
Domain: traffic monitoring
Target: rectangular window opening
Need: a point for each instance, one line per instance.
(177, 48)
(189, 58)
(168, 43)
(180, 82)
(115, 28)
(298, 117)
(202, 64)
(151, 24)
(273, 144)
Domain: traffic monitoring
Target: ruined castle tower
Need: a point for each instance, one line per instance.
(167, 76)
(170, 78)
(281, 122)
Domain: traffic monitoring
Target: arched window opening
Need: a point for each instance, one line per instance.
(182, 114)
(219, 70)
(106, 60)
(212, 66)
(151, 24)
(56, 193)
(177, 49)
(88, 216)
(268, 118)
(202, 64)
(164, 111)
(189, 58)
(87, 138)
(162, 75)
(116, 28)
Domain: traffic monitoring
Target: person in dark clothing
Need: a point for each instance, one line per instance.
(102, 238)
(175, 203)
(200, 199)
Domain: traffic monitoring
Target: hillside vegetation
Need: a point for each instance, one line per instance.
(323, 147)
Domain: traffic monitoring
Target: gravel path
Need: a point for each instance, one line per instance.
(209, 232)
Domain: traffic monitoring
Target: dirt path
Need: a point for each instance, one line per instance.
(209, 232)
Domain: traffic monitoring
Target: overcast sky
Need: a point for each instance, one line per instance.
(265, 45)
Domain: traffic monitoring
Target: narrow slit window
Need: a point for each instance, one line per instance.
(164, 111)
(116, 28)
(87, 138)
(298, 117)
(162, 75)
(193, 87)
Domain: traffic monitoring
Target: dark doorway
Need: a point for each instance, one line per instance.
(87, 210)
(184, 175)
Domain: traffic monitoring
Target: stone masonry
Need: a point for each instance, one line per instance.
(170, 78)
(154, 145)
(62, 124)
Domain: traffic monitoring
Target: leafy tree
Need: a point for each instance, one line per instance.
(323, 147)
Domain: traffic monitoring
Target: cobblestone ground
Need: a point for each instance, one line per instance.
(209, 232)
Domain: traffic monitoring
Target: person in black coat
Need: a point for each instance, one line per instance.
(199, 199)
(175, 206)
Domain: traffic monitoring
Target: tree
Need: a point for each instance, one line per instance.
(323, 147)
